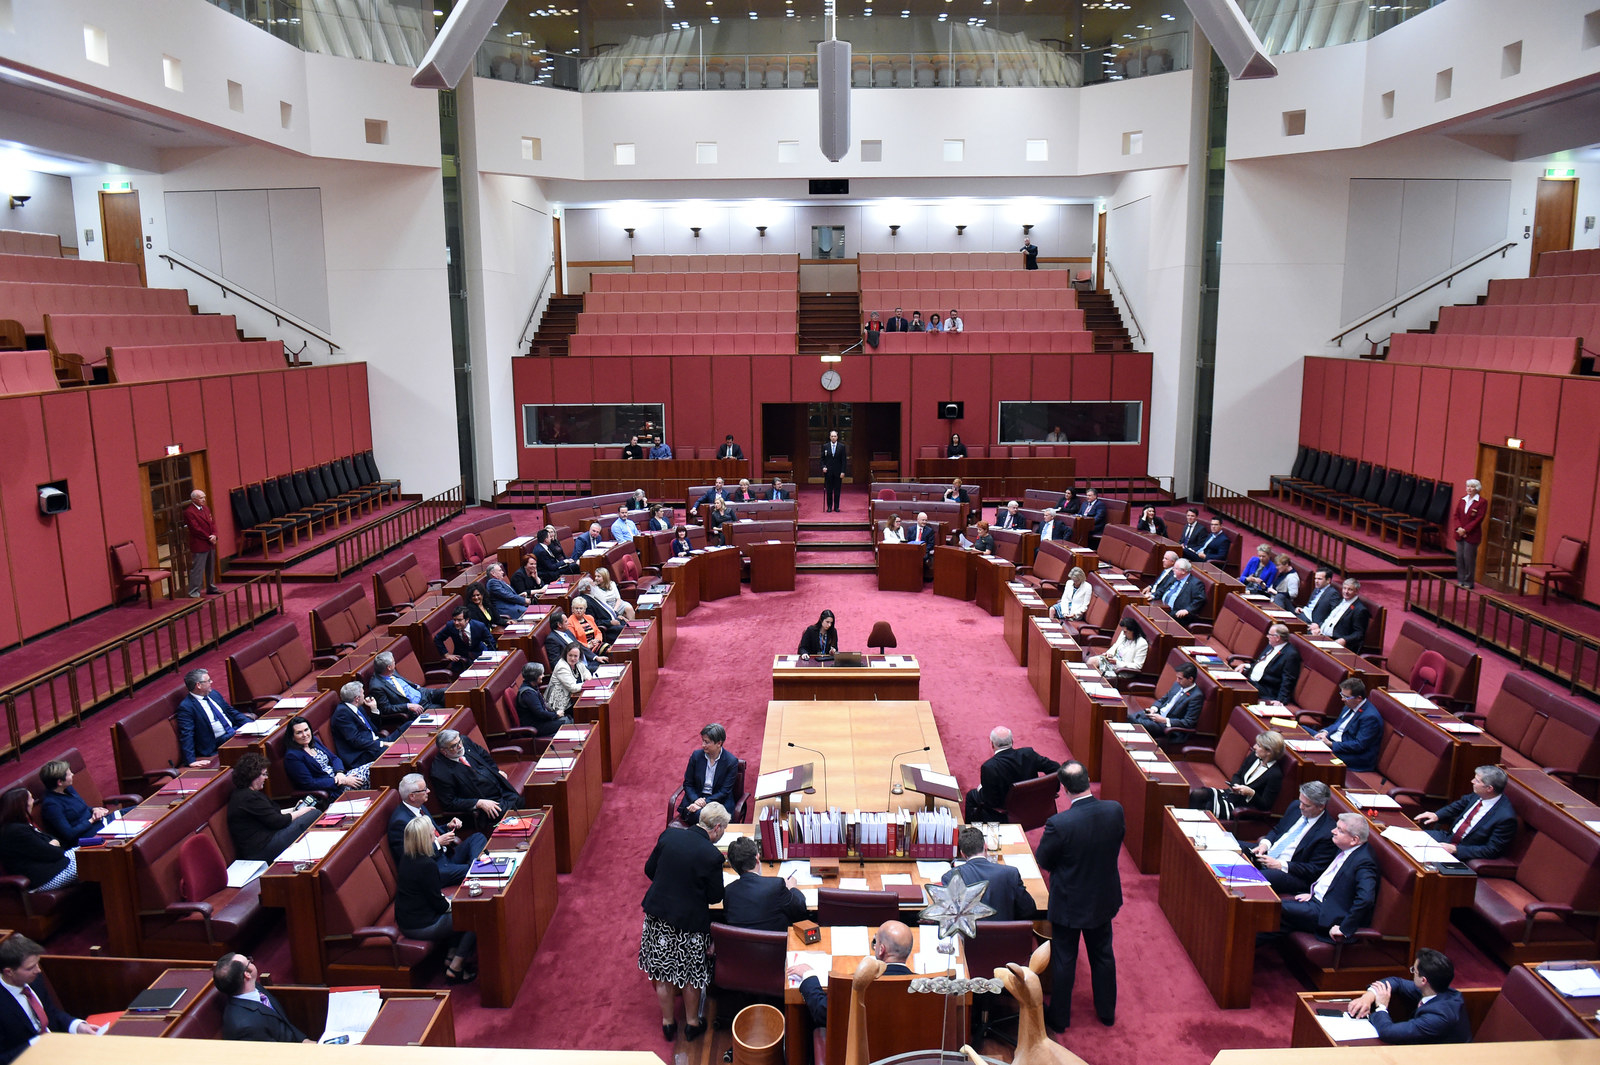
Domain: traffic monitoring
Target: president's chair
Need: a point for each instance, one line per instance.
(1032, 802)
(843, 906)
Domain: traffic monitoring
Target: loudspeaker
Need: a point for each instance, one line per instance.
(833, 99)
(1233, 38)
(952, 410)
(453, 51)
(53, 498)
(830, 186)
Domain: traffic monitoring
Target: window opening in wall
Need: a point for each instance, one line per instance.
(827, 242)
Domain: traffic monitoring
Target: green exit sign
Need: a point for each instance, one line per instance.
(1557, 172)
(116, 186)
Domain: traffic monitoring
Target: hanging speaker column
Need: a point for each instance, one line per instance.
(833, 99)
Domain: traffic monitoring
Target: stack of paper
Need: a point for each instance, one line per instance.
(801, 871)
(260, 726)
(351, 1011)
(1344, 1029)
(1573, 983)
(349, 807)
(932, 872)
(851, 939)
(1371, 800)
(293, 702)
(1024, 864)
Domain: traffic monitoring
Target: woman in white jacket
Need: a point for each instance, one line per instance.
(566, 680)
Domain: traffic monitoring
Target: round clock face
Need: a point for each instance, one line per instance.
(831, 379)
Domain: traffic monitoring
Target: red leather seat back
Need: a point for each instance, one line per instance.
(201, 871)
(472, 548)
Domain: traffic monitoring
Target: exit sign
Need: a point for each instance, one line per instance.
(1558, 172)
(116, 186)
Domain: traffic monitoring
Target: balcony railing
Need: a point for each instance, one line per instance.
(382, 31)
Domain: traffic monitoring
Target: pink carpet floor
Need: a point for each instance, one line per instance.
(585, 990)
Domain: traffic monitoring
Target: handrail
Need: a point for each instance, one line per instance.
(538, 295)
(359, 546)
(278, 314)
(1338, 338)
(1133, 314)
(1305, 538)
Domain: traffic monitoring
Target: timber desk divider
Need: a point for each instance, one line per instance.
(662, 479)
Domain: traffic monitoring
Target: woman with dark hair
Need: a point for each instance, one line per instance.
(476, 605)
(1127, 652)
(1151, 523)
(680, 542)
(312, 767)
(64, 813)
(259, 829)
(526, 581)
(25, 851)
(566, 680)
(548, 557)
(820, 639)
(658, 518)
(955, 449)
(892, 532)
(420, 909)
(1255, 785)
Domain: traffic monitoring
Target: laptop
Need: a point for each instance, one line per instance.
(849, 658)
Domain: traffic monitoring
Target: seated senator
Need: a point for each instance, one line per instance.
(1261, 572)
(1076, 595)
(893, 531)
(560, 638)
(1151, 523)
(250, 1013)
(1256, 784)
(463, 641)
(27, 852)
(1341, 900)
(532, 710)
(396, 696)
(956, 493)
(356, 737)
(205, 720)
(1178, 709)
(310, 766)
(821, 639)
(526, 581)
(1356, 735)
(549, 560)
(892, 945)
(453, 854)
(260, 831)
(1127, 652)
(1438, 1014)
(468, 782)
(610, 596)
(709, 776)
(503, 599)
(955, 449)
(30, 1010)
(1007, 766)
(65, 815)
(719, 516)
(584, 629)
(420, 909)
(1481, 824)
(984, 544)
(476, 604)
(764, 903)
(681, 544)
(1006, 892)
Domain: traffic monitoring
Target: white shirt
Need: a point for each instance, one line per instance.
(1320, 888)
(219, 722)
(952, 325)
(21, 995)
(1479, 808)
(1335, 614)
(1260, 667)
(893, 536)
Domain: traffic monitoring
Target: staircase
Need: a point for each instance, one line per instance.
(1101, 317)
(835, 547)
(560, 321)
(829, 323)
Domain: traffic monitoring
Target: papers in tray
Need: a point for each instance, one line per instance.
(431, 720)
(242, 872)
(1328, 645)
(1122, 726)
(818, 961)
(1024, 864)
(1226, 674)
(1345, 1029)
(932, 872)
(851, 939)
(572, 732)
(260, 726)
(468, 673)
(1414, 701)
(769, 783)
(932, 777)
(1163, 769)
(1180, 813)
(1408, 837)
(1102, 691)
(311, 847)
(1573, 983)
(349, 807)
(1142, 756)
(293, 702)
(122, 829)
(609, 671)
(551, 764)
(1304, 746)
(351, 1011)
(1371, 800)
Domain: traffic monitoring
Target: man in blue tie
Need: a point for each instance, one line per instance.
(1178, 709)
(1438, 1013)
(397, 697)
(356, 738)
(1323, 597)
(1357, 735)
(205, 721)
(1094, 508)
(1184, 594)
(1300, 846)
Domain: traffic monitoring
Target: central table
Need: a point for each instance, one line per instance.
(858, 741)
(880, 677)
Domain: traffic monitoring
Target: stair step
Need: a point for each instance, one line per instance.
(834, 545)
(835, 567)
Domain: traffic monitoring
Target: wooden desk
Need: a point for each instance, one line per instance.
(771, 566)
(1268, 614)
(1217, 924)
(683, 571)
(426, 617)
(1001, 478)
(1307, 1031)
(572, 793)
(511, 920)
(639, 646)
(511, 553)
(347, 666)
(121, 1050)
(900, 567)
(990, 577)
(1049, 645)
(895, 677)
(1083, 714)
(404, 755)
(612, 710)
(659, 605)
(721, 570)
(859, 741)
(1222, 586)
(1020, 602)
(1163, 632)
(661, 478)
(954, 575)
(499, 674)
(196, 984)
(1120, 590)
(1135, 772)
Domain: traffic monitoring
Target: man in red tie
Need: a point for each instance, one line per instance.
(27, 1009)
(1479, 825)
(1468, 525)
(467, 782)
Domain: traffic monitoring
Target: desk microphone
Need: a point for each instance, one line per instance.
(824, 758)
(895, 787)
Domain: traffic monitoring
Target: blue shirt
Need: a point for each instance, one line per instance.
(623, 529)
(661, 451)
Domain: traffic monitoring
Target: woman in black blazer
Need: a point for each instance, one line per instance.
(1151, 524)
(420, 909)
(685, 873)
(955, 449)
(821, 638)
(25, 851)
(680, 542)
(260, 831)
(1255, 786)
(477, 606)
(64, 813)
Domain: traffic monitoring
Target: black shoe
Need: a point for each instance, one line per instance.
(1107, 1021)
(691, 1032)
(670, 1031)
(1050, 1026)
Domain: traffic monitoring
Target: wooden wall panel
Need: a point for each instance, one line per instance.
(188, 415)
(1433, 415)
(1330, 405)
(1131, 379)
(81, 534)
(342, 419)
(360, 407)
(1501, 397)
(122, 500)
(970, 377)
(31, 541)
(1575, 473)
(930, 386)
(1458, 457)
(298, 420)
(730, 376)
(1373, 411)
(1405, 398)
(692, 413)
(275, 426)
(1312, 376)
(1091, 380)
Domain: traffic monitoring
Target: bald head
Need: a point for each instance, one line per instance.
(893, 942)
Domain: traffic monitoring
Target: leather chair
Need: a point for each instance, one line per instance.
(1207, 726)
(501, 726)
(1381, 949)
(1214, 766)
(1563, 569)
(129, 571)
(263, 670)
(250, 524)
(846, 907)
(1051, 564)
(144, 738)
(1528, 1009)
(1032, 802)
(1414, 759)
(996, 944)
(1428, 674)
(1239, 632)
(897, 1021)
(203, 882)
(1316, 693)
(738, 814)
(882, 636)
(1538, 728)
(339, 623)
(749, 961)
(399, 585)
(1458, 686)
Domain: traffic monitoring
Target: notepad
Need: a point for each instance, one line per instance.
(1345, 1029)
(1460, 728)
(311, 847)
(349, 807)
(1304, 746)
(891, 879)
(1573, 983)
(1163, 768)
(851, 939)
(1024, 864)
(241, 872)
(466, 673)
(1181, 814)
(801, 871)
(293, 702)
(260, 726)
(123, 829)
(1372, 800)
(933, 872)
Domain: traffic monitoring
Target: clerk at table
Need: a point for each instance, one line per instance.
(1439, 1015)
(891, 945)
(763, 903)
(821, 639)
(709, 777)
(1479, 825)
(1005, 893)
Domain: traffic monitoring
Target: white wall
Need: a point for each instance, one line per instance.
(49, 206)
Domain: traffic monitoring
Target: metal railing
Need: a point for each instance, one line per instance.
(279, 315)
(67, 692)
(1447, 280)
(1122, 292)
(533, 312)
(1535, 641)
(379, 31)
(1300, 536)
(360, 546)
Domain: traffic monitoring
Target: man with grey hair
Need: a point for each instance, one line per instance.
(1051, 529)
(1479, 825)
(453, 854)
(1010, 516)
(204, 720)
(504, 602)
(1300, 846)
(356, 738)
(1008, 765)
(397, 697)
(1342, 899)
(1467, 521)
(1276, 669)
(202, 545)
(1164, 578)
(469, 783)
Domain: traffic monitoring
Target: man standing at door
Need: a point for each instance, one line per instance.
(1468, 524)
(202, 545)
(834, 460)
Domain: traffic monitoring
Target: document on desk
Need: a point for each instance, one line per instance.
(1024, 864)
(1122, 726)
(605, 672)
(801, 871)
(820, 962)
(1304, 746)
(853, 883)
(1142, 756)
(122, 829)
(1166, 769)
(1408, 837)
(311, 847)
(933, 872)
(260, 726)
(1345, 1029)
(1573, 983)
(1179, 813)
(851, 939)
(1102, 691)
(891, 879)
(468, 674)
(1010, 834)
(432, 720)
(1460, 728)
(349, 807)
(932, 777)
(1414, 701)
(293, 702)
(1372, 800)
(241, 872)
(351, 1011)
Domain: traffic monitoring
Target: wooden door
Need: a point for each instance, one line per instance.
(1516, 483)
(122, 229)
(1553, 215)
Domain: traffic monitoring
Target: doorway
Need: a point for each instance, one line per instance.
(122, 229)
(167, 483)
(869, 431)
(1555, 210)
(1516, 484)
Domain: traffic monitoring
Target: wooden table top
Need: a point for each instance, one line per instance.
(858, 740)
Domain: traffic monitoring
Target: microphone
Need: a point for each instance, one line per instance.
(824, 758)
(895, 787)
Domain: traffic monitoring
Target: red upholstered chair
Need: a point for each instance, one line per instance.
(1562, 569)
(631, 577)
(227, 914)
(882, 636)
(472, 548)
(128, 569)
(748, 960)
(996, 944)
(1427, 675)
(846, 907)
(1030, 804)
(888, 493)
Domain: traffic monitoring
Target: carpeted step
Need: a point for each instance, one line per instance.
(835, 567)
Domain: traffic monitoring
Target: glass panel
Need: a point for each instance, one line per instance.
(1073, 422)
(822, 419)
(380, 31)
(608, 424)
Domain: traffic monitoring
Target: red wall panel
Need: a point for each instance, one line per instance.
(152, 422)
(1373, 411)
(652, 379)
(805, 382)
(1537, 407)
(693, 410)
(1403, 417)
(970, 374)
(342, 418)
(222, 456)
(247, 428)
(1574, 475)
(1131, 379)
(321, 413)
(31, 541)
(1330, 405)
(297, 398)
(1091, 380)
(188, 419)
(930, 386)
(530, 383)
(1433, 415)
(121, 493)
(82, 535)
(1459, 457)
(1311, 388)
(730, 379)
(10, 633)
(1501, 397)
(360, 407)
(275, 424)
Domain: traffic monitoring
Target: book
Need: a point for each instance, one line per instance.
(157, 999)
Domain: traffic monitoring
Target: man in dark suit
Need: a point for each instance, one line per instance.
(1005, 892)
(1008, 765)
(764, 903)
(835, 460)
(1079, 849)
(249, 1012)
(897, 323)
(1439, 1014)
(1356, 735)
(777, 493)
(1479, 825)
(1164, 579)
(356, 739)
(709, 776)
(1178, 709)
(1340, 900)
(891, 945)
(1184, 594)
(205, 720)
(590, 538)
(1347, 621)
(1277, 668)
(729, 449)
(710, 496)
(924, 532)
(1193, 533)
(1094, 507)
(461, 642)
(453, 854)
(1213, 546)
(559, 639)
(1052, 527)
(469, 783)
(27, 1009)
(1010, 517)
(1323, 596)
(1300, 846)
(397, 697)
